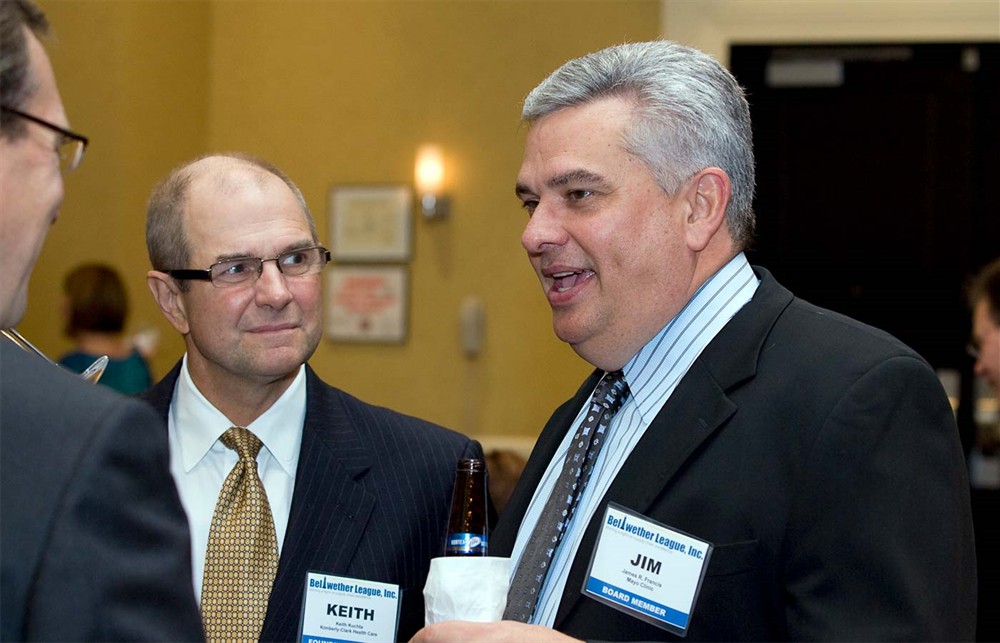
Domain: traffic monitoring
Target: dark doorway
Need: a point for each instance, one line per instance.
(877, 173)
(877, 170)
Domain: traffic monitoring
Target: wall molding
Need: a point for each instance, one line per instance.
(713, 25)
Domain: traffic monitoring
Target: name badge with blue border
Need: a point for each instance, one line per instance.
(338, 609)
(646, 569)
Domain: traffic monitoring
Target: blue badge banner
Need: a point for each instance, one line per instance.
(628, 599)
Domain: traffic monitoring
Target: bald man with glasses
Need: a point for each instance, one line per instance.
(93, 539)
(352, 490)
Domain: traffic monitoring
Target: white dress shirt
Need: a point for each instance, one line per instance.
(652, 375)
(200, 463)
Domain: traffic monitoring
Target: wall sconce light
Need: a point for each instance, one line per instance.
(429, 177)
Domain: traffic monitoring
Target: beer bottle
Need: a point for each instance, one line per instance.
(468, 531)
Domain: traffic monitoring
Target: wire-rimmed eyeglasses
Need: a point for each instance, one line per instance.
(242, 270)
(70, 146)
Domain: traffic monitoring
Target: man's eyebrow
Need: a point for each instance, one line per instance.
(574, 176)
(562, 180)
(298, 245)
(521, 190)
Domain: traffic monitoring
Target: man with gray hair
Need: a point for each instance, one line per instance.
(741, 464)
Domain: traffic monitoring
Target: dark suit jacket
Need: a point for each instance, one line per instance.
(821, 458)
(371, 500)
(95, 543)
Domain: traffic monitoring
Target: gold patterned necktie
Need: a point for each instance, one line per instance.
(242, 554)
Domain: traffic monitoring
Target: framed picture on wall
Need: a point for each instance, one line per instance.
(371, 222)
(367, 304)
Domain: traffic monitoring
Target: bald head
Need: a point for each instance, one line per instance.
(229, 173)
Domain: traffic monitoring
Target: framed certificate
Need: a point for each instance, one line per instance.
(367, 304)
(371, 222)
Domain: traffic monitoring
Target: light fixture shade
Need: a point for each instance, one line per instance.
(429, 169)
(429, 179)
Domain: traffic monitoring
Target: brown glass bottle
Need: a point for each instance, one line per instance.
(468, 527)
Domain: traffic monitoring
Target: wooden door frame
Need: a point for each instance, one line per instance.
(713, 25)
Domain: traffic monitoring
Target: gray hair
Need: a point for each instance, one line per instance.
(16, 83)
(166, 241)
(690, 114)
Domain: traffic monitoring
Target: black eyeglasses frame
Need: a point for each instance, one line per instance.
(67, 135)
(206, 274)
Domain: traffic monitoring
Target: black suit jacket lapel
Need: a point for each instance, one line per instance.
(330, 508)
(160, 394)
(672, 438)
(697, 408)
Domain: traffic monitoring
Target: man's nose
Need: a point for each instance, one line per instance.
(544, 229)
(272, 285)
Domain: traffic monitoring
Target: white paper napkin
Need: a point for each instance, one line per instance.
(466, 588)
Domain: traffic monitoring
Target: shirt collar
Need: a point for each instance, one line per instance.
(655, 370)
(200, 425)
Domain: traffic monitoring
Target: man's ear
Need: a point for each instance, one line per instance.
(168, 297)
(708, 195)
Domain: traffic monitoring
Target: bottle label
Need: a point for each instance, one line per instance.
(466, 545)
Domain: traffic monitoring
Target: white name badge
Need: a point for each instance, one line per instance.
(646, 569)
(339, 609)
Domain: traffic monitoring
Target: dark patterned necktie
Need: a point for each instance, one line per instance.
(242, 554)
(558, 511)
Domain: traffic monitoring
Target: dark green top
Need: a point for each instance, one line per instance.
(129, 375)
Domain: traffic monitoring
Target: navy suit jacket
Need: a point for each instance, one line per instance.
(94, 543)
(371, 500)
(821, 457)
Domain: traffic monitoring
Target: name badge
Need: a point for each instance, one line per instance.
(339, 609)
(646, 569)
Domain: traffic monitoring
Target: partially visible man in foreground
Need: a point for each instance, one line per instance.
(93, 539)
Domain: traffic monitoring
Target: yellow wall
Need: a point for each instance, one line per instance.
(134, 78)
(334, 93)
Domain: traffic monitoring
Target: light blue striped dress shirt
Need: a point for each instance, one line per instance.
(652, 376)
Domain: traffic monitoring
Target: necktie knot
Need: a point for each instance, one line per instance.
(243, 442)
(611, 391)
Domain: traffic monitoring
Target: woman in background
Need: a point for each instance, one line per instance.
(96, 308)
